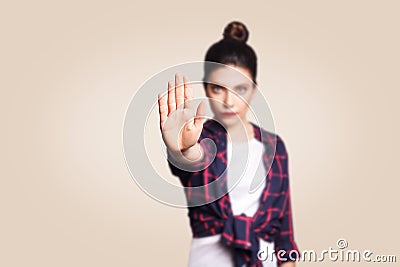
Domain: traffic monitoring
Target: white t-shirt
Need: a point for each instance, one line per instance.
(209, 251)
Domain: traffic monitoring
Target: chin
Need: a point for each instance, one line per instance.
(228, 122)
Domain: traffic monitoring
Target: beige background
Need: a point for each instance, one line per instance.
(329, 70)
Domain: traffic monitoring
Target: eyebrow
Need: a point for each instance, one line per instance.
(243, 85)
(235, 87)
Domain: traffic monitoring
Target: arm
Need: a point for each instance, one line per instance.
(179, 128)
(288, 264)
(183, 163)
(285, 239)
(192, 155)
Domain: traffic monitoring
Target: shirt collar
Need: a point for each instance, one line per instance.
(260, 134)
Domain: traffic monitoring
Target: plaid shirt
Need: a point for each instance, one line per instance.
(273, 219)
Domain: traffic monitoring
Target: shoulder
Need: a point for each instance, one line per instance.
(272, 141)
(280, 146)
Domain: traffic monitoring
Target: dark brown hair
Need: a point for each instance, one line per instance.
(232, 49)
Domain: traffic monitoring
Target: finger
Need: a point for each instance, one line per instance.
(200, 114)
(178, 92)
(163, 110)
(171, 98)
(188, 92)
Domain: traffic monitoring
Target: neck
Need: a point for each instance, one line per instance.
(240, 132)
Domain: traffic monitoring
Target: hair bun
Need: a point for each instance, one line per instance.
(237, 31)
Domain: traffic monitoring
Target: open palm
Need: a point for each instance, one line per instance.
(180, 126)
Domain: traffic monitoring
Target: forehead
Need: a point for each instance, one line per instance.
(230, 76)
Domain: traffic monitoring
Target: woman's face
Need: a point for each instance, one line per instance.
(230, 91)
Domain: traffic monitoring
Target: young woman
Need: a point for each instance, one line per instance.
(236, 228)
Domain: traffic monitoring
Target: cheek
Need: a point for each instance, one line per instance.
(243, 103)
(215, 99)
(215, 105)
(243, 107)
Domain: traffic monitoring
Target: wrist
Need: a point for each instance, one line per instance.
(193, 153)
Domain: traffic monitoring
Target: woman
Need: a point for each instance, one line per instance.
(236, 228)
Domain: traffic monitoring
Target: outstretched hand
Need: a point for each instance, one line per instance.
(180, 126)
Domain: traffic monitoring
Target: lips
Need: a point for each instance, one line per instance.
(229, 114)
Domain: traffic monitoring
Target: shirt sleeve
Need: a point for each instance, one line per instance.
(285, 246)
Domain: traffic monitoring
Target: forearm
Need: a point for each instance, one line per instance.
(288, 264)
(192, 155)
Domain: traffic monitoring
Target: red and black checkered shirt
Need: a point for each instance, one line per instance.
(273, 219)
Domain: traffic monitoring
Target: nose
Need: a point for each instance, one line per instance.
(228, 100)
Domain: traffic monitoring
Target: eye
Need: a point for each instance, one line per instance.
(216, 89)
(241, 90)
